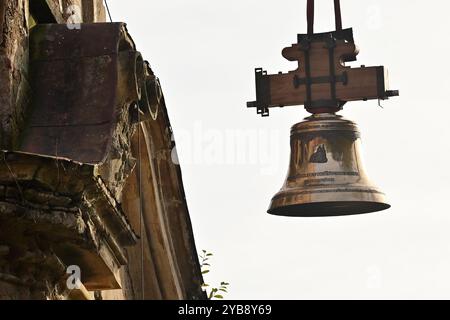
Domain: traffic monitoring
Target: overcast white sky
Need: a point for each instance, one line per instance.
(233, 161)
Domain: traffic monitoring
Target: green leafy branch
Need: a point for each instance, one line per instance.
(215, 292)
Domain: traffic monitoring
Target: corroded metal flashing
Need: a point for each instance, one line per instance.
(81, 86)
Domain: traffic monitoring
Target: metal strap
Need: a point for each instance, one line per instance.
(331, 48)
(310, 15)
(337, 14)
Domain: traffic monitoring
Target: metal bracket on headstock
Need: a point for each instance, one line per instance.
(322, 82)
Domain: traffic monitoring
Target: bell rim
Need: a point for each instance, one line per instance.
(329, 209)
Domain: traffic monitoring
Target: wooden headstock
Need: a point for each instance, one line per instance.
(322, 82)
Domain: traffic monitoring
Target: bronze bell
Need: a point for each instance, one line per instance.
(326, 176)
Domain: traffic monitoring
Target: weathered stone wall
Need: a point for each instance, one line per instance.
(93, 11)
(127, 226)
(35, 272)
(15, 90)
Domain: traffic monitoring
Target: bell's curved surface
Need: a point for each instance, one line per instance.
(326, 176)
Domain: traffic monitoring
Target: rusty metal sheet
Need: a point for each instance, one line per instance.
(61, 41)
(75, 80)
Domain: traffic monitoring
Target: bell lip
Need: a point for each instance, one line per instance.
(341, 209)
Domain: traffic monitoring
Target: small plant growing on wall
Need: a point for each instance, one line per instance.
(212, 292)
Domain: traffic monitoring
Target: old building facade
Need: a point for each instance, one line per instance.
(92, 204)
